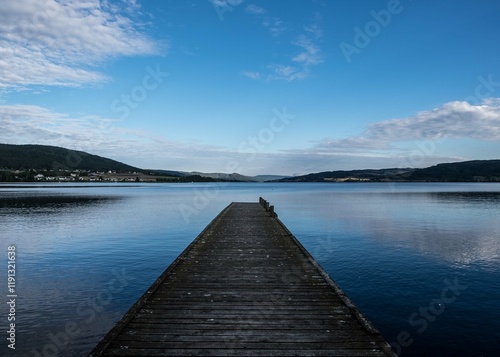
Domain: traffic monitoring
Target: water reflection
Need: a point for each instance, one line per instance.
(30, 202)
(41, 222)
(469, 197)
(455, 246)
(460, 228)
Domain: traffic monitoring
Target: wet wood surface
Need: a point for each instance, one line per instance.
(244, 287)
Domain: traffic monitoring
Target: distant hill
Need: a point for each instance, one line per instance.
(225, 177)
(169, 173)
(238, 177)
(220, 176)
(467, 171)
(264, 178)
(392, 174)
(42, 157)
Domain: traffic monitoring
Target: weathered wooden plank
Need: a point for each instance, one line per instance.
(244, 287)
(198, 310)
(253, 335)
(260, 345)
(229, 351)
(140, 326)
(342, 321)
(252, 305)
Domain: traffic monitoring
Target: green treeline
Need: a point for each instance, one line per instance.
(42, 157)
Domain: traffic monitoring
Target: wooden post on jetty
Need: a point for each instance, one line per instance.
(267, 207)
(244, 287)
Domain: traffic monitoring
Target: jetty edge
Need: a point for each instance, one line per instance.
(244, 287)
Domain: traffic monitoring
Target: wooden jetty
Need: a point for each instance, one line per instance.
(244, 287)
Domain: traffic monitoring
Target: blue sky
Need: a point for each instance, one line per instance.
(257, 87)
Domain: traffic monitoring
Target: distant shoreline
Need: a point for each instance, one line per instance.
(40, 163)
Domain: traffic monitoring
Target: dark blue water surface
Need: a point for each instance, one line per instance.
(421, 261)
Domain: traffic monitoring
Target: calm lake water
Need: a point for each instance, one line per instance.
(421, 261)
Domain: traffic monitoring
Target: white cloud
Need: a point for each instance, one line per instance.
(62, 43)
(275, 25)
(222, 3)
(285, 72)
(315, 29)
(253, 75)
(254, 9)
(278, 72)
(299, 69)
(454, 120)
(299, 65)
(311, 54)
(22, 67)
